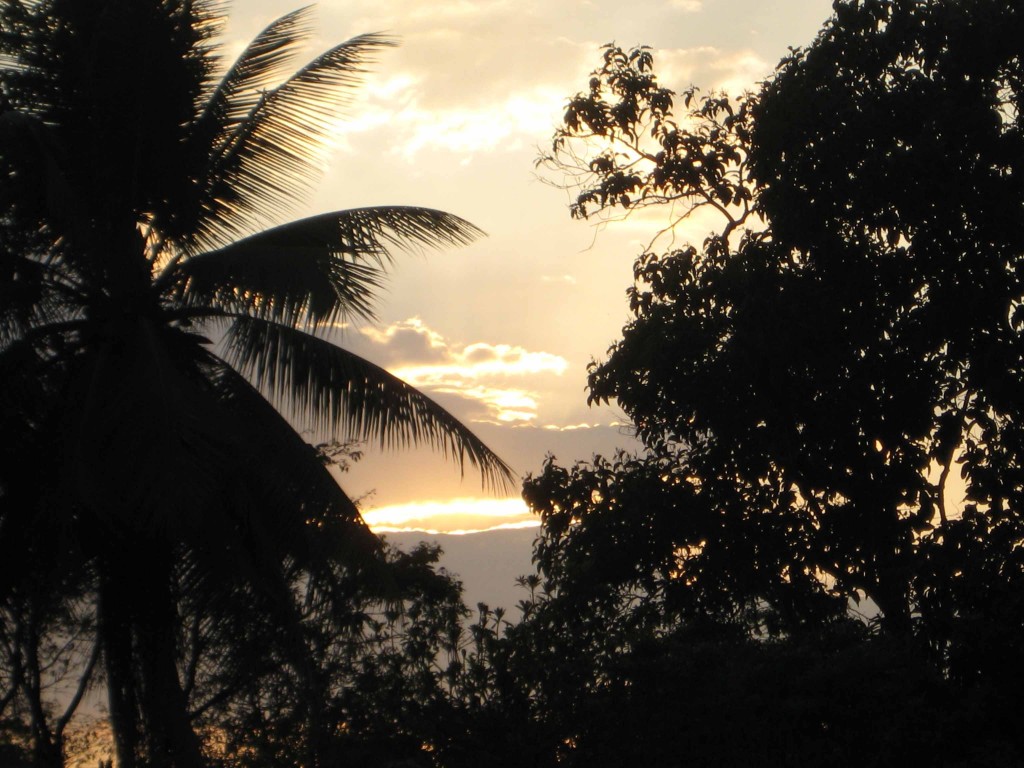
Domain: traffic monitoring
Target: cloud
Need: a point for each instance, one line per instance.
(410, 341)
(479, 371)
(471, 76)
(480, 360)
(687, 6)
(460, 9)
(507, 125)
(487, 76)
(468, 123)
(711, 68)
(415, 13)
(739, 72)
(460, 515)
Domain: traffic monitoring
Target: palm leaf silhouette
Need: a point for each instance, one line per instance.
(140, 188)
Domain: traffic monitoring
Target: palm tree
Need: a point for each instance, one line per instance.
(155, 334)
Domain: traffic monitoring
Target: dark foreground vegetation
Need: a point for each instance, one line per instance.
(817, 559)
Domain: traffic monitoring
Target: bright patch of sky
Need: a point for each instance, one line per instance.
(461, 515)
(492, 375)
(501, 332)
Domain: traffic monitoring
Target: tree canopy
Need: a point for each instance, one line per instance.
(828, 388)
(815, 560)
(157, 333)
(812, 381)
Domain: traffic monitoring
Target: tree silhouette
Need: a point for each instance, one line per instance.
(813, 378)
(138, 182)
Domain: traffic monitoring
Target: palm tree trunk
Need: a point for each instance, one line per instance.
(171, 741)
(114, 628)
(138, 625)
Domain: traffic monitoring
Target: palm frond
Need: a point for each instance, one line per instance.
(30, 157)
(318, 269)
(295, 488)
(136, 418)
(336, 389)
(271, 155)
(260, 67)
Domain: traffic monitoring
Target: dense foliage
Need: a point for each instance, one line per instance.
(816, 560)
(829, 390)
(150, 322)
(813, 380)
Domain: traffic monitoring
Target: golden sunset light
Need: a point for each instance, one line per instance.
(515, 383)
(501, 332)
(454, 516)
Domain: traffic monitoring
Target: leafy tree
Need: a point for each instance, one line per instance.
(139, 178)
(391, 666)
(373, 655)
(808, 383)
(47, 662)
(812, 379)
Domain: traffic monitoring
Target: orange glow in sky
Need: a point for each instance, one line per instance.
(500, 332)
(462, 515)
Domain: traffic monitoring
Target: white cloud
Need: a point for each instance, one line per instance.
(399, 105)
(410, 341)
(687, 6)
(480, 360)
(501, 126)
(740, 71)
(434, 11)
(479, 371)
(471, 123)
(710, 68)
(460, 515)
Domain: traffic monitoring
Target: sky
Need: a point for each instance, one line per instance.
(500, 332)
